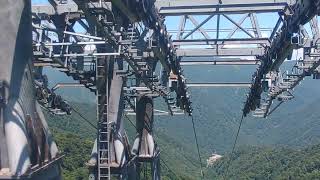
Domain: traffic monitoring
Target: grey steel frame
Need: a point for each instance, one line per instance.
(140, 57)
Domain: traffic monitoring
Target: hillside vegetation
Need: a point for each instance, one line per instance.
(270, 163)
(75, 139)
(287, 132)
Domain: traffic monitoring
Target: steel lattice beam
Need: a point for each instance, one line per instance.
(240, 41)
(220, 62)
(224, 84)
(201, 52)
(208, 7)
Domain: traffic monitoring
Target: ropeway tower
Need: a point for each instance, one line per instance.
(124, 52)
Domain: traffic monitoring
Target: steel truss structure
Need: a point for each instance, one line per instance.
(122, 51)
(269, 51)
(113, 48)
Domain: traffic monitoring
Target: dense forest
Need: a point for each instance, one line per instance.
(75, 139)
(269, 163)
(283, 146)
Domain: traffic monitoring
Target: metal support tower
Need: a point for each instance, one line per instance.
(122, 41)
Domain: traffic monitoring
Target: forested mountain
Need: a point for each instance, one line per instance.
(286, 133)
(75, 139)
(217, 112)
(269, 163)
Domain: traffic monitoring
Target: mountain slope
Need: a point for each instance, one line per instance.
(269, 163)
(217, 112)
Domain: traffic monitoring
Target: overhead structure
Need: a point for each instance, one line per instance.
(268, 81)
(210, 7)
(113, 48)
(128, 53)
(198, 37)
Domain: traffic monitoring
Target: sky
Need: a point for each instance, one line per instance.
(38, 1)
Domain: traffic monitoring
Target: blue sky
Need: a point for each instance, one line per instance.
(38, 1)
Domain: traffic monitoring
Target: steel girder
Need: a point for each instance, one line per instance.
(55, 8)
(206, 52)
(209, 7)
(221, 10)
(222, 84)
(221, 61)
(264, 41)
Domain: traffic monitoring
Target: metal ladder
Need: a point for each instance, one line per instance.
(104, 171)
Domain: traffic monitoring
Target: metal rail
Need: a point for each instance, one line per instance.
(208, 7)
(225, 84)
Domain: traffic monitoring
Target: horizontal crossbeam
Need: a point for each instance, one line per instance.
(202, 52)
(206, 7)
(49, 9)
(221, 41)
(225, 84)
(220, 62)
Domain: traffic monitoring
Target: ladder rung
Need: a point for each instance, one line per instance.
(104, 176)
(103, 141)
(103, 150)
(104, 165)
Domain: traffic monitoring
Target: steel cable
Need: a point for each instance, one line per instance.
(234, 146)
(197, 144)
